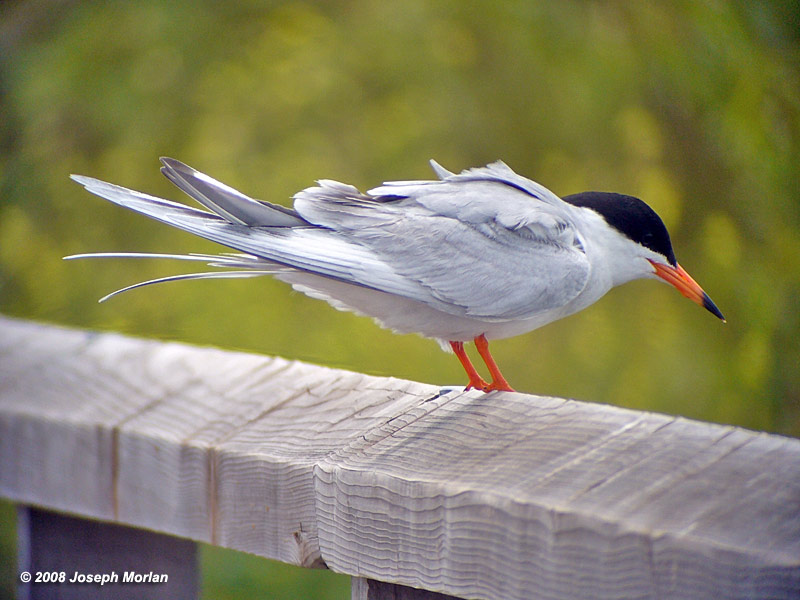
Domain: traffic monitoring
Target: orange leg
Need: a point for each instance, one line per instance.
(475, 380)
(498, 381)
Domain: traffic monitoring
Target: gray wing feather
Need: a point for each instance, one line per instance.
(317, 250)
(226, 201)
(479, 245)
(485, 243)
(440, 171)
(492, 277)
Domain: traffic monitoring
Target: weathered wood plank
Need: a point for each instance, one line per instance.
(537, 497)
(210, 445)
(478, 496)
(133, 561)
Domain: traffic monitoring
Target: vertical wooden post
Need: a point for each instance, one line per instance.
(81, 558)
(370, 589)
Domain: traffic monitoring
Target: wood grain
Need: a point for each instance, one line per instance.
(196, 442)
(512, 496)
(474, 495)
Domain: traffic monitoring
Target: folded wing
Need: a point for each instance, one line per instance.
(486, 243)
(488, 246)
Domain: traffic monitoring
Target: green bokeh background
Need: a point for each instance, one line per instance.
(693, 106)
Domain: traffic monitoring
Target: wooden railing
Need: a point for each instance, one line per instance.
(399, 484)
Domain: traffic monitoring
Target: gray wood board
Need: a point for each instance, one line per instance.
(52, 543)
(479, 496)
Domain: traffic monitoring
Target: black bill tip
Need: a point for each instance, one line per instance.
(709, 305)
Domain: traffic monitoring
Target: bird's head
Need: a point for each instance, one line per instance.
(637, 236)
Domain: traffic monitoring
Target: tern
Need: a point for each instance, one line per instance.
(473, 256)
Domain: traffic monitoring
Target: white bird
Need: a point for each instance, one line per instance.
(479, 255)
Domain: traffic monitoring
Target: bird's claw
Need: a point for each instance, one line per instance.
(495, 386)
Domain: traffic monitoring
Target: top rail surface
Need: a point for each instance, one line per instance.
(500, 495)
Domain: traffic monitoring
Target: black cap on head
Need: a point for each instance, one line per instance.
(629, 216)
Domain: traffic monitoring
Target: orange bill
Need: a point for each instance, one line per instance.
(680, 279)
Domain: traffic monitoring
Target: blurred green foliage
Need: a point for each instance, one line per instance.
(693, 106)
